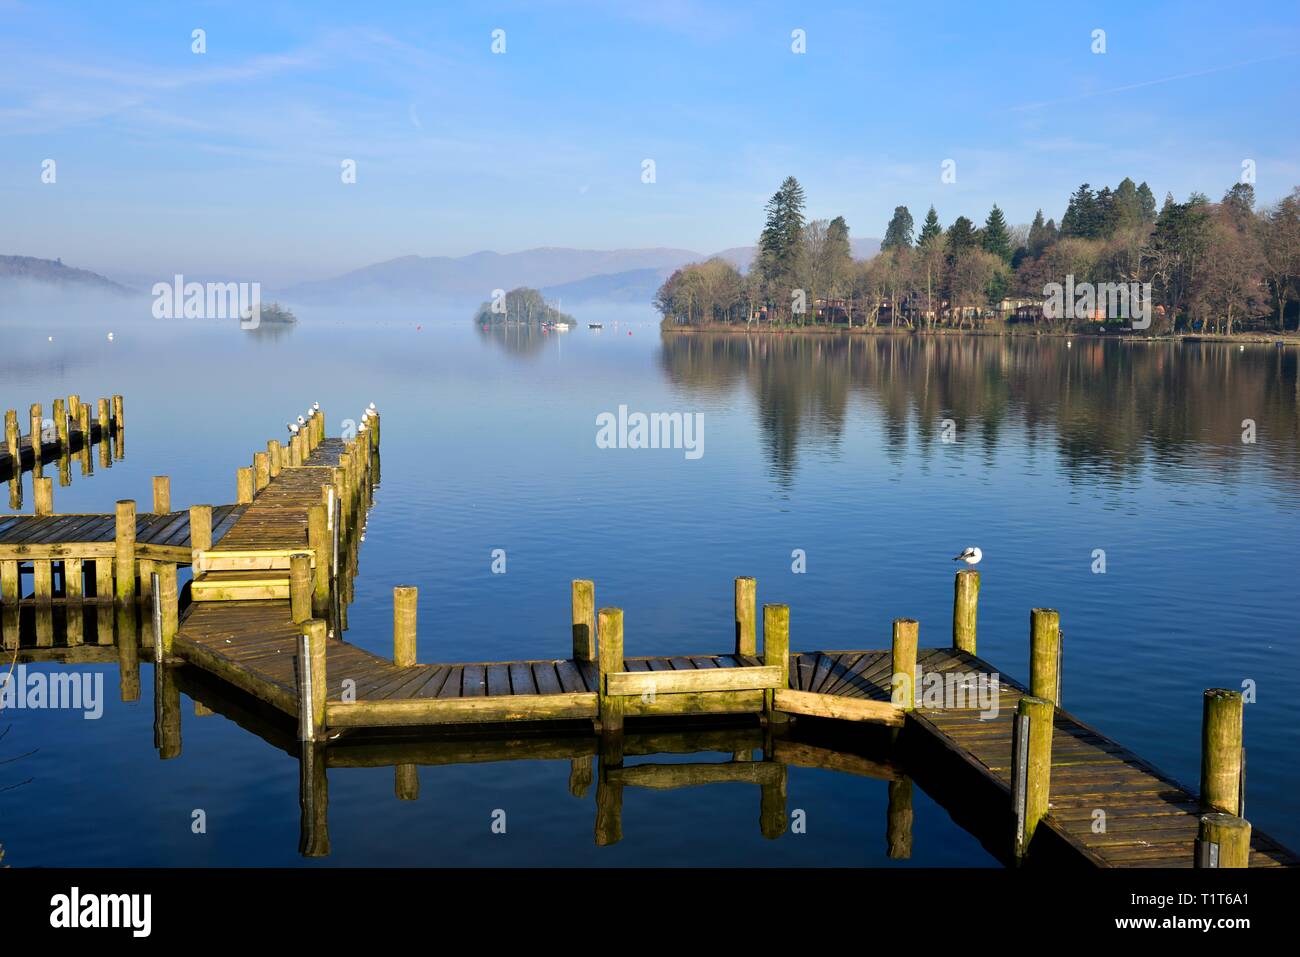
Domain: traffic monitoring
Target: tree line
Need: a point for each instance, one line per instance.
(1211, 266)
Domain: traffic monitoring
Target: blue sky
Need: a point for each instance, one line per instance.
(229, 161)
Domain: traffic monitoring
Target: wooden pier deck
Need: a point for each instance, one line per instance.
(73, 429)
(269, 600)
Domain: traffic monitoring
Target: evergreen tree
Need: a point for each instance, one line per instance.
(1039, 236)
(930, 229)
(1127, 207)
(961, 235)
(996, 238)
(1240, 199)
(781, 242)
(1080, 217)
(898, 234)
(1147, 203)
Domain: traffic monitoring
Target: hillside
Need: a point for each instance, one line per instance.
(53, 272)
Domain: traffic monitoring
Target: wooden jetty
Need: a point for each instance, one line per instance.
(72, 427)
(268, 606)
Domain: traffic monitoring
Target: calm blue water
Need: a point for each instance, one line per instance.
(816, 443)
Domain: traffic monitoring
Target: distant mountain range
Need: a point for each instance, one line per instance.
(617, 276)
(53, 272)
(577, 275)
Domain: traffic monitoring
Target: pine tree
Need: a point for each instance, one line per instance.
(781, 242)
(961, 235)
(898, 234)
(1147, 203)
(996, 238)
(930, 229)
(1039, 237)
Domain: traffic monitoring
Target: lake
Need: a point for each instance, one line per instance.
(1114, 481)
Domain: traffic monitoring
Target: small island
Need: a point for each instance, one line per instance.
(524, 306)
(273, 312)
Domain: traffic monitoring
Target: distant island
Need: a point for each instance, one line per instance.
(273, 312)
(523, 305)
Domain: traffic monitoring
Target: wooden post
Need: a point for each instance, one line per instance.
(776, 651)
(124, 553)
(35, 425)
(1223, 840)
(261, 471)
(300, 586)
(44, 492)
(313, 800)
(273, 457)
(1221, 718)
(319, 542)
(406, 782)
(583, 604)
(965, 603)
(610, 625)
(105, 423)
(1031, 767)
(903, 669)
(43, 579)
(162, 494)
(84, 421)
(169, 600)
(12, 436)
(746, 616)
(772, 816)
(405, 601)
(243, 486)
(166, 713)
(200, 530)
(311, 681)
(119, 416)
(74, 582)
(9, 583)
(60, 417)
(1045, 654)
(74, 408)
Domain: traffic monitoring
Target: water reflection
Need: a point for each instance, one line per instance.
(1109, 408)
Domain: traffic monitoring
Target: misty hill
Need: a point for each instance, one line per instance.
(578, 275)
(478, 274)
(53, 272)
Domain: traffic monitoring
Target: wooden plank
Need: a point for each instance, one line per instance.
(697, 680)
(834, 706)
(474, 710)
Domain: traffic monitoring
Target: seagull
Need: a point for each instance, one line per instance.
(301, 421)
(293, 428)
(372, 410)
(311, 413)
(110, 337)
(315, 406)
(971, 556)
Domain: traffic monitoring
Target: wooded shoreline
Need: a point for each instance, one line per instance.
(767, 328)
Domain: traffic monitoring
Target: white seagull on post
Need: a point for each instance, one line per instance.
(293, 428)
(971, 556)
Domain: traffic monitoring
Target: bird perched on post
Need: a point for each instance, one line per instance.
(301, 421)
(971, 556)
(293, 428)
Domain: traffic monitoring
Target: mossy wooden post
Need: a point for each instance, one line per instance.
(35, 426)
(74, 582)
(243, 486)
(903, 670)
(1045, 654)
(9, 583)
(169, 601)
(312, 681)
(965, 607)
(776, 651)
(43, 579)
(583, 605)
(128, 649)
(746, 616)
(273, 457)
(580, 775)
(1221, 720)
(124, 551)
(1223, 840)
(898, 820)
(405, 605)
(200, 531)
(60, 417)
(1031, 767)
(74, 408)
(261, 471)
(119, 414)
(300, 586)
(319, 542)
(162, 494)
(772, 816)
(610, 631)
(43, 489)
(609, 786)
(12, 436)
(105, 434)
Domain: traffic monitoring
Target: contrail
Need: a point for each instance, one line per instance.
(1156, 82)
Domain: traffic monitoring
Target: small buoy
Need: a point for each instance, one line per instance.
(110, 337)
(51, 338)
